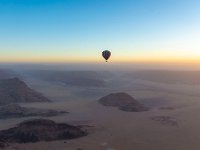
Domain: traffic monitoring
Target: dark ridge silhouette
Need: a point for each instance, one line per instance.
(123, 101)
(40, 130)
(14, 90)
(15, 111)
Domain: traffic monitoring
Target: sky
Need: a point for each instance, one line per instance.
(79, 30)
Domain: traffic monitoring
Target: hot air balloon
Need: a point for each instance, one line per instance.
(106, 55)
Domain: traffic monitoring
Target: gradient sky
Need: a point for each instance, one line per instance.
(78, 30)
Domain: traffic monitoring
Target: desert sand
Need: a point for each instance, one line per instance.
(113, 129)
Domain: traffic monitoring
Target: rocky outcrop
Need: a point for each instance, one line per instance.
(14, 91)
(123, 101)
(40, 130)
(166, 120)
(3, 144)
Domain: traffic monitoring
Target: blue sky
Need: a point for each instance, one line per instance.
(53, 30)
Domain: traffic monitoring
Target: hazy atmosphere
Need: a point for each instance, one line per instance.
(99, 75)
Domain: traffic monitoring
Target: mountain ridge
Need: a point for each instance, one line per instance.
(14, 90)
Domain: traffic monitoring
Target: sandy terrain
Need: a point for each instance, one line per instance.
(118, 130)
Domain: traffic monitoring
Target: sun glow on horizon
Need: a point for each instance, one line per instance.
(115, 58)
(164, 32)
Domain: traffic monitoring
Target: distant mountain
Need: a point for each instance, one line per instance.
(15, 110)
(73, 78)
(123, 101)
(36, 130)
(6, 73)
(14, 90)
(166, 76)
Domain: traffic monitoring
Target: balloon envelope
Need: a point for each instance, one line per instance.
(106, 54)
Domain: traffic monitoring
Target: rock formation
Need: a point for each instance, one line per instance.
(40, 130)
(123, 101)
(14, 90)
